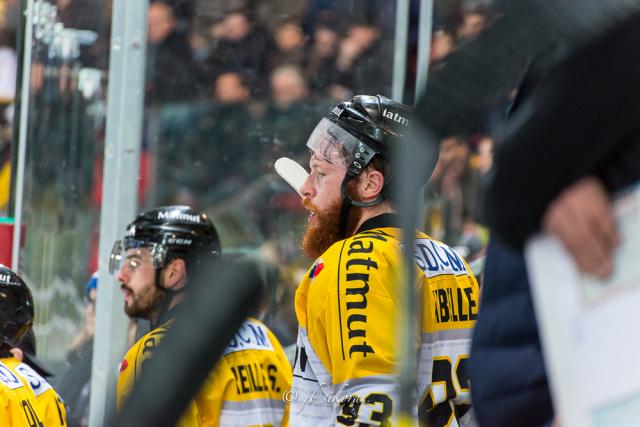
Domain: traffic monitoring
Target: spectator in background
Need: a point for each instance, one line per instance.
(183, 11)
(239, 44)
(320, 69)
(452, 182)
(443, 42)
(473, 22)
(9, 13)
(290, 42)
(220, 131)
(484, 164)
(203, 148)
(171, 72)
(359, 57)
(286, 121)
(272, 13)
(75, 383)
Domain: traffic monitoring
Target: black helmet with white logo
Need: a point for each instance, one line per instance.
(16, 308)
(169, 231)
(356, 131)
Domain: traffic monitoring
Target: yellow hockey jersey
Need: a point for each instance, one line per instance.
(346, 363)
(50, 404)
(244, 389)
(18, 406)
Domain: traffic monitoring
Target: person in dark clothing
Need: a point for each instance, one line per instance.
(506, 358)
(582, 129)
(240, 45)
(171, 73)
(358, 61)
(74, 383)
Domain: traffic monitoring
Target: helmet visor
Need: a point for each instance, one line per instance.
(131, 253)
(332, 143)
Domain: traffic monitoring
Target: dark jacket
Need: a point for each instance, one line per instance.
(576, 115)
(171, 73)
(509, 382)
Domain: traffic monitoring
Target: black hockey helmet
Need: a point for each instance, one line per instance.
(16, 308)
(169, 231)
(358, 130)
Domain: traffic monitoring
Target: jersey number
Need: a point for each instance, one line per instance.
(439, 412)
(30, 413)
(351, 406)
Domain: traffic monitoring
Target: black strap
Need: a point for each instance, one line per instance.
(347, 202)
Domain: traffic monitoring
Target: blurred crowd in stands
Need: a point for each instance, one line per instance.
(231, 86)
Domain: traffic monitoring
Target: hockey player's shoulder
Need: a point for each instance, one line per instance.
(252, 335)
(435, 258)
(368, 241)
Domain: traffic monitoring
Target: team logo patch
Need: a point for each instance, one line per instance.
(123, 365)
(316, 269)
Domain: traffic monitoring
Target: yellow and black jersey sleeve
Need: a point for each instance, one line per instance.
(50, 405)
(132, 365)
(18, 406)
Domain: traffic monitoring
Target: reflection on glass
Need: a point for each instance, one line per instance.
(62, 179)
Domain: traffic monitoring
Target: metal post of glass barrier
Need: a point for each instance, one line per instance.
(424, 46)
(119, 193)
(18, 189)
(400, 50)
(413, 160)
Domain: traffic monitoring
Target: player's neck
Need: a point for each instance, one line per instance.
(155, 315)
(368, 213)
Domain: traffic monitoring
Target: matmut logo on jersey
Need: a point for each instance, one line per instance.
(251, 336)
(316, 269)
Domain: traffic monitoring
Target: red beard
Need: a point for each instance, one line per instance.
(325, 232)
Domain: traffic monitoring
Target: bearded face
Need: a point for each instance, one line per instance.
(324, 230)
(137, 278)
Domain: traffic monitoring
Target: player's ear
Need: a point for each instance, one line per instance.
(17, 353)
(371, 184)
(175, 273)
